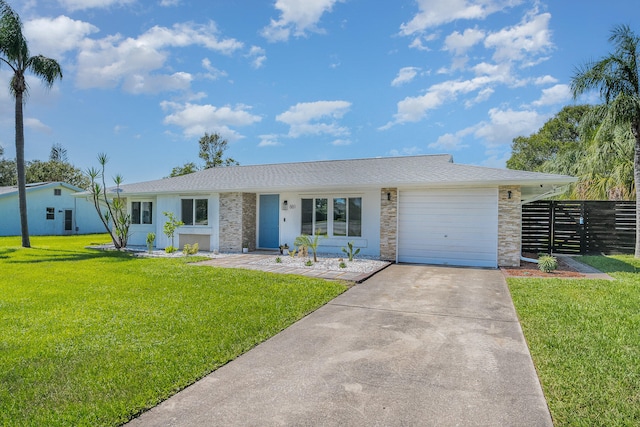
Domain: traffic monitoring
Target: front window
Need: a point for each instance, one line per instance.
(346, 219)
(51, 213)
(195, 211)
(141, 212)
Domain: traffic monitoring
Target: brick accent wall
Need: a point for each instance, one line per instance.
(388, 223)
(509, 226)
(237, 221)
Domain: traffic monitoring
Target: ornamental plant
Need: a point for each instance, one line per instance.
(547, 263)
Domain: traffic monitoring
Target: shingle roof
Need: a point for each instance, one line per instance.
(14, 188)
(410, 171)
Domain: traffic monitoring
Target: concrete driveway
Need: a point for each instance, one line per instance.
(411, 346)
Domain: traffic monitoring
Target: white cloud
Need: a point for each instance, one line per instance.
(213, 72)
(405, 75)
(269, 141)
(459, 43)
(297, 17)
(545, 80)
(169, 3)
(520, 42)
(196, 119)
(257, 55)
(504, 125)
(341, 142)
(52, 37)
(413, 109)
(406, 151)
(90, 4)
(433, 13)
(36, 124)
(315, 118)
(141, 83)
(558, 94)
(107, 62)
(447, 142)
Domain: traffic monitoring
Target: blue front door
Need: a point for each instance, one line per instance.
(269, 221)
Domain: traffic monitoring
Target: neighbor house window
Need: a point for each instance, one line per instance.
(346, 219)
(57, 192)
(195, 211)
(141, 212)
(51, 213)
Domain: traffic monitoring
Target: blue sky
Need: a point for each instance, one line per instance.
(300, 80)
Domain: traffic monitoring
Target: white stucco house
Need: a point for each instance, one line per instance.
(51, 210)
(417, 209)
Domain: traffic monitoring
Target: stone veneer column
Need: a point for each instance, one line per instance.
(388, 223)
(249, 220)
(237, 221)
(230, 222)
(509, 226)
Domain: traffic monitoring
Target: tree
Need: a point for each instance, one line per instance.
(7, 171)
(616, 77)
(114, 218)
(212, 148)
(14, 52)
(58, 153)
(558, 135)
(187, 168)
(39, 171)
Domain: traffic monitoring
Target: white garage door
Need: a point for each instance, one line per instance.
(449, 226)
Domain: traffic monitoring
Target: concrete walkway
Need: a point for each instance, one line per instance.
(411, 346)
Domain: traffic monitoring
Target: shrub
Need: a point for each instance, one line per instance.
(278, 260)
(309, 263)
(343, 264)
(188, 249)
(170, 249)
(547, 263)
(303, 242)
(151, 238)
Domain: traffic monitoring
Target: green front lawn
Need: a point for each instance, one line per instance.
(584, 337)
(94, 338)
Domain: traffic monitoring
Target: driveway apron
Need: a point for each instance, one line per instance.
(414, 345)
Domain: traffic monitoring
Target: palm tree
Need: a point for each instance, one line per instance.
(14, 52)
(616, 77)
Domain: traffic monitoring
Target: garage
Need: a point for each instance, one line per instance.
(448, 226)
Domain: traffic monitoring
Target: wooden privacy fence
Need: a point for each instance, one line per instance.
(579, 227)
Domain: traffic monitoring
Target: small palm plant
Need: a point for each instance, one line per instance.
(305, 241)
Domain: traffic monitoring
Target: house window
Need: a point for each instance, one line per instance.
(142, 212)
(51, 213)
(57, 192)
(195, 211)
(347, 216)
(346, 219)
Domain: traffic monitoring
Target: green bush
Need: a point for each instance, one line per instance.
(278, 260)
(188, 249)
(309, 263)
(547, 263)
(343, 264)
(170, 249)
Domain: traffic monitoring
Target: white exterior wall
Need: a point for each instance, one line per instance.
(369, 243)
(172, 203)
(85, 217)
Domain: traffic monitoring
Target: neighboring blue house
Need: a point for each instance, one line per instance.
(52, 210)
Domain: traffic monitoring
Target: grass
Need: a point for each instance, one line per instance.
(94, 338)
(584, 337)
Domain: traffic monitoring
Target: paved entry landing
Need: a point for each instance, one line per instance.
(411, 346)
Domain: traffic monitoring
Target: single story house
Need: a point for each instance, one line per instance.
(51, 210)
(416, 209)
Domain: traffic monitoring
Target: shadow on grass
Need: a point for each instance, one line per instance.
(608, 264)
(64, 255)
(5, 252)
